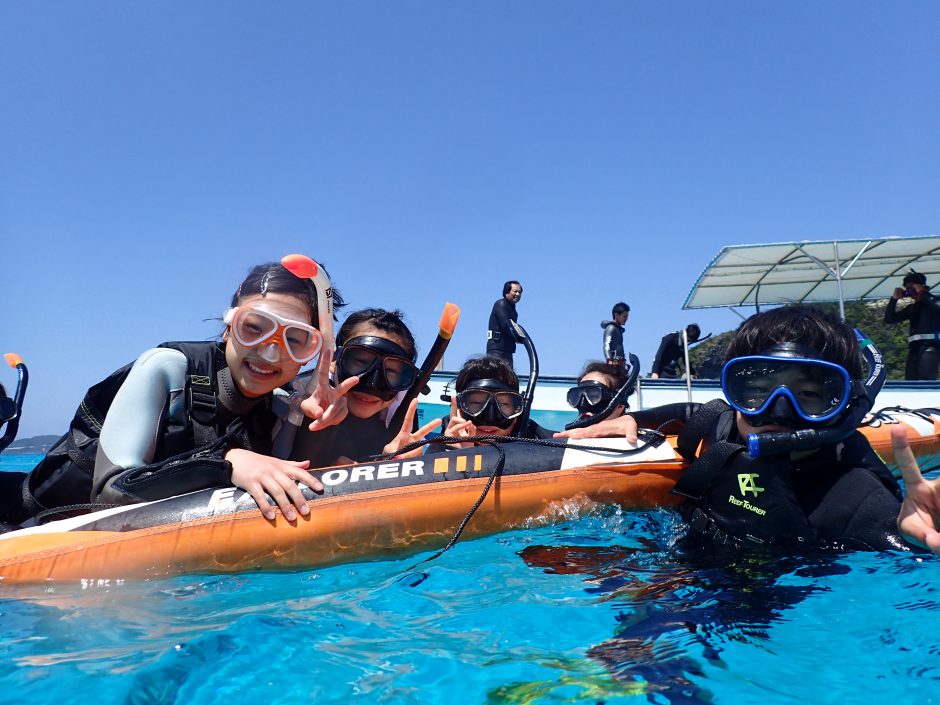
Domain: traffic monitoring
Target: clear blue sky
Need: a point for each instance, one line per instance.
(150, 152)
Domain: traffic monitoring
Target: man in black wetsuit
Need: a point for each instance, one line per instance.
(613, 334)
(500, 341)
(671, 351)
(923, 354)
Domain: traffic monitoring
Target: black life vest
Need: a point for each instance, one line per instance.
(732, 498)
(65, 474)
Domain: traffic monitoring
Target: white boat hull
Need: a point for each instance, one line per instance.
(551, 410)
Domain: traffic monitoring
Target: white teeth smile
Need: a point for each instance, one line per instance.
(258, 370)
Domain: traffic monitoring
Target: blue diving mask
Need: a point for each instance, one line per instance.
(756, 385)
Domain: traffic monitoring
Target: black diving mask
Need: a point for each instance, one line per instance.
(384, 368)
(589, 397)
(490, 402)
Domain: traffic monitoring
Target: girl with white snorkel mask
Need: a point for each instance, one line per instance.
(188, 416)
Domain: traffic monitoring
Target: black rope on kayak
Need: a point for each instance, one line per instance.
(652, 438)
(497, 471)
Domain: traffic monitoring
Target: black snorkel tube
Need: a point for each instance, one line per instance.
(12, 409)
(863, 399)
(445, 332)
(620, 397)
(523, 338)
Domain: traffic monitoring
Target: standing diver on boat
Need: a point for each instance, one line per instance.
(613, 334)
(781, 462)
(923, 351)
(671, 351)
(500, 341)
(188, 416)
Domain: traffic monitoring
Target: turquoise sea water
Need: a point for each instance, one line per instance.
(598, 609)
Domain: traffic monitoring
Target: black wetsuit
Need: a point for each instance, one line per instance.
(532, 430)
(613, 341)
(923, 353)
(668, 355)
(353, 438)
(500, 342)
(841, 495)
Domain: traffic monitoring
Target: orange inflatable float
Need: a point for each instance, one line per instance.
(376, 510)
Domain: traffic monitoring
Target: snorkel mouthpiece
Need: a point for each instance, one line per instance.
(862, 401)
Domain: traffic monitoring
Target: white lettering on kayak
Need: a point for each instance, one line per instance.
(334, 477)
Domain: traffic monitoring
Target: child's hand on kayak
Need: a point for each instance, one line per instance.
(261, 475)
(621, 427)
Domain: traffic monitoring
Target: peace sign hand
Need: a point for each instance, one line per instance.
(326, 405)
(405, 436)
(920, 511)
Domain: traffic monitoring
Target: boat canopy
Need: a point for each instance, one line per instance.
(813, 271)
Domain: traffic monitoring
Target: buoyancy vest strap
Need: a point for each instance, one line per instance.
(78, 456)
(201, 398)
(705, 470)
(698, 426)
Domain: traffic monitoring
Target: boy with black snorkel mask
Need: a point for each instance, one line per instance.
(780, 462)
(487, 403)
(376, 347)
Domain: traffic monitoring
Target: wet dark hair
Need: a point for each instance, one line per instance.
(507, 287)
(387, 321)
(486, 367)
(913, 277)
(619, 308)
(693, 332)
(274, 278)
(618, 373)
(831, 339)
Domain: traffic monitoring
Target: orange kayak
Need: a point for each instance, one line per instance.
(378, 510)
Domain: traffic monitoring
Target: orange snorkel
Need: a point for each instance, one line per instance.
(445, 332)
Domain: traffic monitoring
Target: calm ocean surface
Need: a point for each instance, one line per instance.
(598, 609)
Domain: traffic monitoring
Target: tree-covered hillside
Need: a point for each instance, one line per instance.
(868, 317)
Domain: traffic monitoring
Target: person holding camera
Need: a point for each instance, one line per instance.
(923, 353)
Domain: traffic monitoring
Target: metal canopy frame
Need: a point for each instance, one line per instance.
(812, 271)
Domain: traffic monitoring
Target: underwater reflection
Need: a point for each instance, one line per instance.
(678, 607)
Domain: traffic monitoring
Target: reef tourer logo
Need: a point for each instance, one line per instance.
(747, 482)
